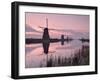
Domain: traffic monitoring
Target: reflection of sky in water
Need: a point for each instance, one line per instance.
(35, 56)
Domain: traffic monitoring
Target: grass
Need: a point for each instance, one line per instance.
(81, 57)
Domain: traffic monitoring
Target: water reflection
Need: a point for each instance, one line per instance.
(66, 53)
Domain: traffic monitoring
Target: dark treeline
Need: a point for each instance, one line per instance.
(31, 40)
(84, 40)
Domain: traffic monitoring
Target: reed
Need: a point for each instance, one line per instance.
(81, 57)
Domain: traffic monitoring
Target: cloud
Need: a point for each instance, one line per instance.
(31, 29)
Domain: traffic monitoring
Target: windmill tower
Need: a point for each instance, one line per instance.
(46, 32)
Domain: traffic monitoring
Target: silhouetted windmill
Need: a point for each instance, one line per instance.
(47, 29)
(46, 39)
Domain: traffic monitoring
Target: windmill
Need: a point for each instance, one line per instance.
(46, 36)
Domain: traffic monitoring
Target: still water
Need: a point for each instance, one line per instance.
(72, 53)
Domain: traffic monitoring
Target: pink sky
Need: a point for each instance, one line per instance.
(77, 23)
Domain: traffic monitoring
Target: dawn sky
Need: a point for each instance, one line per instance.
(70, 22)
